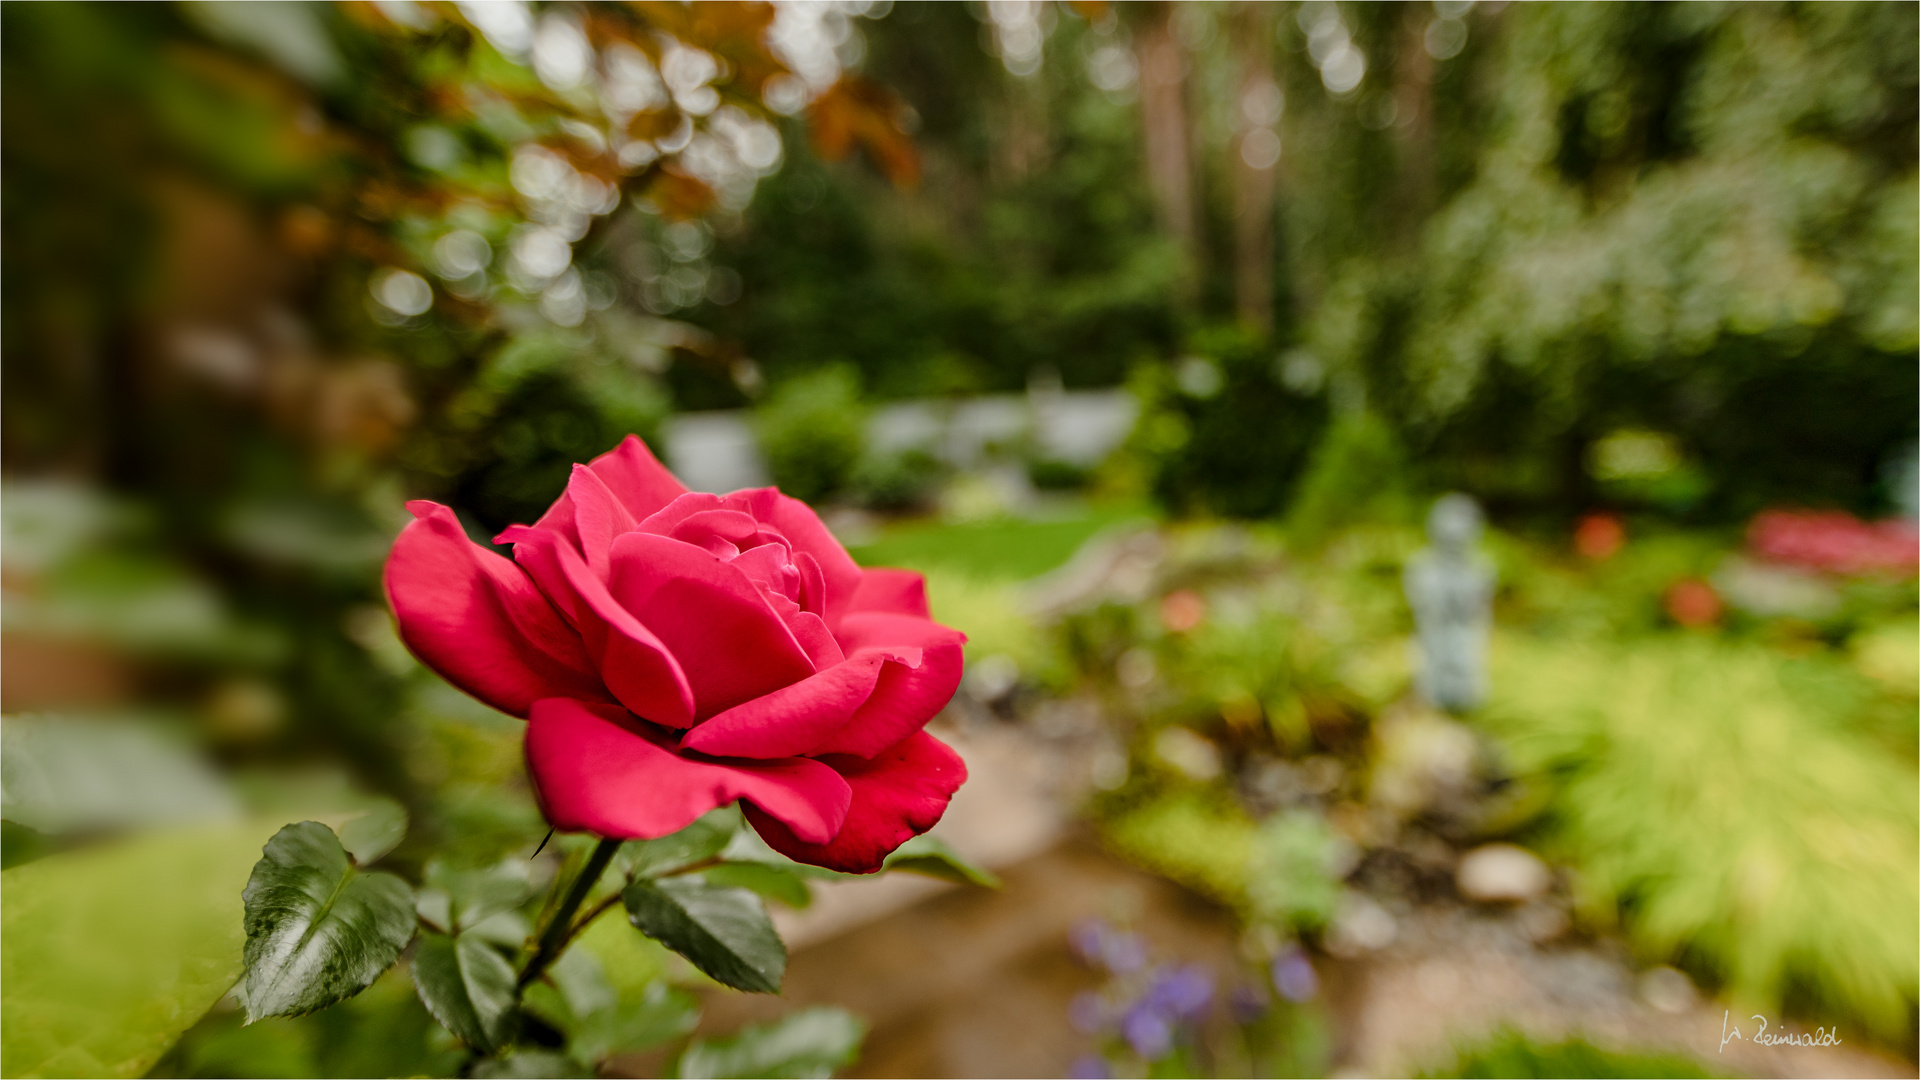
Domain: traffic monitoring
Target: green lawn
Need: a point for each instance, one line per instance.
(1004, 549)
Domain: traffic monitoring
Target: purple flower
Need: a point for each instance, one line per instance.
(1293, 975)
(1088, 1067)
(1247, 1003)
(1183, 992)
(1124, 953)
(1147, 1032)
(1089, 939)
(1088, 1013)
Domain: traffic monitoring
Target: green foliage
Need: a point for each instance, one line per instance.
(1005, 549)
(374, 831)
(1201, 842)
(1693, 221)
(383, 1031)
(1223, 430)
(1512, 1054)
(812, 432)
(771, 882)
(67, 774)
(724, 931)
(933, 857)
(1293, 880)
(108, 953)
(698, 842)
(1358, 474)
(1726, 816)
(809, 1043)
(904, 481)
(468, 987)
(318, 928)
(662, 1014)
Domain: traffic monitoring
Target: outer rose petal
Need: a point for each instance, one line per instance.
(898, 592)
(596, 772)
(730, 643)
(597, 517)
(801, 718)
(477, 619)
(907, 695)
(896, 796)
(635, 665)
(637, 478)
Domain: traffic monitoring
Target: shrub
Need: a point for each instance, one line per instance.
(1728, 810)
(812, 431)
(1221, 432)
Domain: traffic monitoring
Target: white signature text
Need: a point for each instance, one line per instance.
(1728, 1033)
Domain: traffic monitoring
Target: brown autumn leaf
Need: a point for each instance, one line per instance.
(677, 194)
(857, 111)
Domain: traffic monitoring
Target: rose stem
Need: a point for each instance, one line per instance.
(560, 926)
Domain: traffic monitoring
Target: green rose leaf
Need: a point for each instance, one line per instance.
(724, 931)
(810, 1043)
(375, 831)
(698, 842)
(318, 929)
(930, 855)
(472, 896)
(772, 882)
(468, 987)
(663, 1014)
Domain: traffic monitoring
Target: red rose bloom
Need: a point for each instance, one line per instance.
(674, 651)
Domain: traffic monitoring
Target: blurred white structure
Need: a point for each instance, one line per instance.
(716, 451)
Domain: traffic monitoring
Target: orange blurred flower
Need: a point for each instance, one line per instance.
(1599, 536)
(1693, 603)
(1182, 610)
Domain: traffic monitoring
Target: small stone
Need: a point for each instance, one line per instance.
(1668, 990)
(1502, 873)
(1361, 926)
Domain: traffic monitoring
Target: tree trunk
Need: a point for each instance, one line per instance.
(1163, 108)
(1253, 174)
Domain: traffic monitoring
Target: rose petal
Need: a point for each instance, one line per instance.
(803, 529)
(816, 639)
(900, 592)
(597, 771)
(906, 695)
(591, 518)
(641, 671)
(813, 583)
(801, 718)
(478, 620)
(727, 639)
(637, 478)
(897, 796)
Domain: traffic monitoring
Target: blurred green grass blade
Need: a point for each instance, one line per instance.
(108, 953)
(812, 1042)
